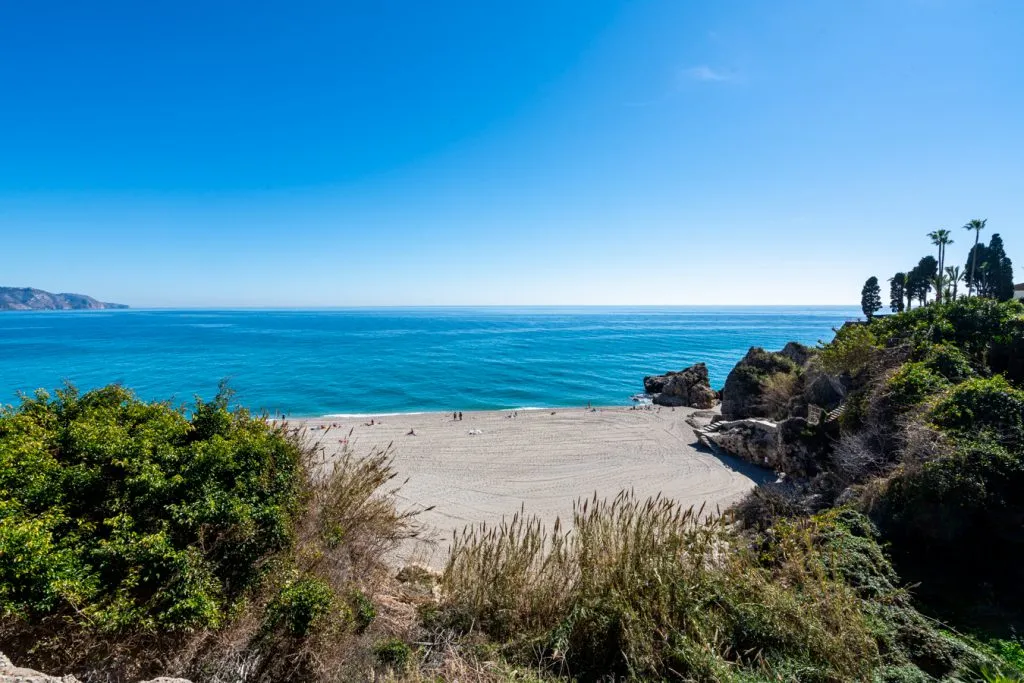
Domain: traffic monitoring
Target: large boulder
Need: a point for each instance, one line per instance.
(798, 353)
(744, 393)
(15, 674)
(754, 440)
(822, 390)
(689, 388)
(792, 446)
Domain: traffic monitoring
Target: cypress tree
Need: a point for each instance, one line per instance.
(975, 276)
(870, 297)
(999, 270)
(921, 278)
(896, 292)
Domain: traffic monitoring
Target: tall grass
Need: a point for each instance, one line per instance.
(649, 588)
(337, 571)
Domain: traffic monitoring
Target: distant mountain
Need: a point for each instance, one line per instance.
(28, 299)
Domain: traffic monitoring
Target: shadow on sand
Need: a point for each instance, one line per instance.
(759, 475)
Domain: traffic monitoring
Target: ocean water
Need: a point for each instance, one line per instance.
(324, 362)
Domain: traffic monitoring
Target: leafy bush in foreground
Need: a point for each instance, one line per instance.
(138, 539)
(135, 515)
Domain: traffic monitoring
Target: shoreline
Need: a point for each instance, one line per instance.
(493, 464)
(289, 417)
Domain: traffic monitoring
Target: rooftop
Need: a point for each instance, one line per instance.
(1019, 288)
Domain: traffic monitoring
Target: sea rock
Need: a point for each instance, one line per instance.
(690, 388)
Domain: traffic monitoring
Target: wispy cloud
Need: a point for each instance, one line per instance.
(707, 74)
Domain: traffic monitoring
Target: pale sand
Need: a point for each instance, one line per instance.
(542, 459)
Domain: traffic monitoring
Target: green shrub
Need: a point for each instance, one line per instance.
(942, 518)
(912, 384)
(984, 405)
(851, 352)
(127, 514)
(948, 362)
(393, 652)
(302, 606)
(974, 325)
(363, 611)
(1010, 652)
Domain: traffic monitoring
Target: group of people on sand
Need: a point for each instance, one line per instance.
(456, 416)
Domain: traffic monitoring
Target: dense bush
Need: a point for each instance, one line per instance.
(912, 384)
(851, 352)
(973, 325)
(981, 406)
(954, 526)
(139, 539)
(129, 514)
(948, 361)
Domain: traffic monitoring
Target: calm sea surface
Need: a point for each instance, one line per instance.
(320, 362)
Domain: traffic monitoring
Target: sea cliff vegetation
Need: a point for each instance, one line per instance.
(140, 539)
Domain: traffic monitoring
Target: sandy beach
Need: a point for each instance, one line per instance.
(489, 464)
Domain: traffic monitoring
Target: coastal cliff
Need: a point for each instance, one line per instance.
(29, 299)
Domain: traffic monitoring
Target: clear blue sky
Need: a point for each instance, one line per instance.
(532, 152)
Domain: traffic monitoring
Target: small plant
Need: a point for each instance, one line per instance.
(363, 611)
(392, 652)
(302, 606)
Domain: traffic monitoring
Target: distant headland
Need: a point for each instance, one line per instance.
(29, 299)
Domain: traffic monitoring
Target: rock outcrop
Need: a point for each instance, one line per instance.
(744, 393)
(28, 299)
(690, 388)
(792, 446)
(14, 674)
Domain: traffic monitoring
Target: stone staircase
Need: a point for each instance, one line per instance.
(834, 415)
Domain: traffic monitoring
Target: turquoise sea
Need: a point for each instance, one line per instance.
(322, 362)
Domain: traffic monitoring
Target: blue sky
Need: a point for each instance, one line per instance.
(536, 152)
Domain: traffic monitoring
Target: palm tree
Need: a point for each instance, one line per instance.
(977, 225)
(954, 277)
(939, 281)
(940, 238)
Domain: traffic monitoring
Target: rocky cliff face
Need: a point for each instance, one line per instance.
(778, 384)
(766, 408)
(28, 299)
(689, 388)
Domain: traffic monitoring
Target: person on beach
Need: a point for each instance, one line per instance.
(460, 416)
